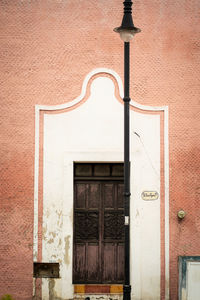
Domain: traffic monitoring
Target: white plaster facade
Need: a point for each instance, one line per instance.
(94, 132)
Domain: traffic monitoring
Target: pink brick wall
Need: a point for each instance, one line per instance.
(46, 49)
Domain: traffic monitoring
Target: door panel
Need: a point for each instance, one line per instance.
(94, 196)
(108, 190)
(86, 225)
(98, 232)
(109, 263)
(93, 262)
(79, 260)
(120, 198)
(120, 262)
(81, 190)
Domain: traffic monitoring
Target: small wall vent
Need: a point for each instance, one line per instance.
(46, 270)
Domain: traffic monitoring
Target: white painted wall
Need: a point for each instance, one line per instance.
(94, 132)
(145, 215)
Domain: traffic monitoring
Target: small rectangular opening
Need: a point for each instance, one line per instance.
(104, 171)
(46, 270)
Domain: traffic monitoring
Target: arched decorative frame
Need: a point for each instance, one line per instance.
(40, 110)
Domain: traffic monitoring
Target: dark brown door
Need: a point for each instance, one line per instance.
(98, 231)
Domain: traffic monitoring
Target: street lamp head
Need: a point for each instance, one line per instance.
(127, 30)
(126, 34)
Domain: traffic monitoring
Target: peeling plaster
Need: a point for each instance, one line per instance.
(47, 213)
(60, 218)
(50, 241)
(98, 297)
(51, 289)
(52, 233)
(59, 213)
(137, 213)
(67, 247)
(37, 289)
(71, 216)
(52, 293)
(44, 231)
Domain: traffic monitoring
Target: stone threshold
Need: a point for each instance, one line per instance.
(98, 289)
(98, 297)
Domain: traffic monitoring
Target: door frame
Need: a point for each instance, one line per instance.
(101, 181)
(71, 157)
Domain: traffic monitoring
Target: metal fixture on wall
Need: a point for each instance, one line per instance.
(181, 214)
(127, 30)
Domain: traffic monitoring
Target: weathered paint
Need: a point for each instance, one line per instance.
(67, 246)
(64, 137)
(112, 289)
(79, 289)
(98, 297)
(51, 289)
(118, 289)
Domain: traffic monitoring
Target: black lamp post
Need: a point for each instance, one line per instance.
(127, 30)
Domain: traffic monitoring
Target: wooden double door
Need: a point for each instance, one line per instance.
(98, 231)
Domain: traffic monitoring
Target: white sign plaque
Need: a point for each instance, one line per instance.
(149, 195)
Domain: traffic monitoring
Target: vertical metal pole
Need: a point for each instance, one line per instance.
(126, 287)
